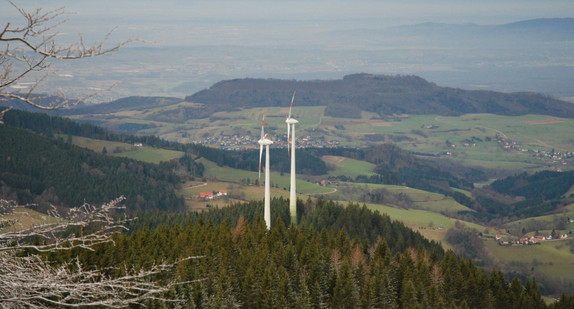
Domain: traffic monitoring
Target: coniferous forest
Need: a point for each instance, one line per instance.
(44, 171)
(322, 263)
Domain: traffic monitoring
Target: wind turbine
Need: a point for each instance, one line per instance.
(264, 141)
(291, 139)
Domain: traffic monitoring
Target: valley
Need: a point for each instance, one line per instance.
(428, 213)
(458, 180)
(531, 142)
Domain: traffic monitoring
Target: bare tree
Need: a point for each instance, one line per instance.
(28, 51)
(29, 281)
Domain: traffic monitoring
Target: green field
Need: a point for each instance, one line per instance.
(551, 258)
(145, 154)
(223, 173)
(349, 167)
(24, 218)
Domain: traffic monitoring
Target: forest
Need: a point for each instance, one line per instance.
(338, 257)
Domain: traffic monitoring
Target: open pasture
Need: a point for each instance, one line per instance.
(152, 155)
(430, 224)
(23, 218)
(422, 200)
(348, 167)
(223, 173)
(551, 258)
(145, 154)
(472, 139)
(474, 136)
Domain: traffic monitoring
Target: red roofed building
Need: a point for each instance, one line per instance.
(206, 195)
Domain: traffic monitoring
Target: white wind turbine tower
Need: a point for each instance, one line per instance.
(264, 141)
(291, 139)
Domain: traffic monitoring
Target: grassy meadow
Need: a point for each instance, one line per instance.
(349, 167)
(145, 154)
(551, 258)
(223, 173)
(24, 218)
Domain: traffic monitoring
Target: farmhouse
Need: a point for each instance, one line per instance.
(205, 196)
(208, 196)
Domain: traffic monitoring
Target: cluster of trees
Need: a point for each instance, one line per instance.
(519, 196)
(396, 166)
(47, 125)
(315, 265)
(544, 185)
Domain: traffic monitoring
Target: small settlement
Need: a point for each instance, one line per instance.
(210, 196)
(529, 239)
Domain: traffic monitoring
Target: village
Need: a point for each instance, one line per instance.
(242, 142)
(552, 156)
(529, 239)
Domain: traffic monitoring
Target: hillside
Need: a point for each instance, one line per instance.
(341, 257)
(384, 95)
(42, 170)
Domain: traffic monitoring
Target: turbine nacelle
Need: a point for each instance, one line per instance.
(291, 121)
(265, 142)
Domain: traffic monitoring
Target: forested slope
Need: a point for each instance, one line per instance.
(37, 169)
(381, 94)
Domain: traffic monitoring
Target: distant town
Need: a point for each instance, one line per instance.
(552, 156)
(242, 142)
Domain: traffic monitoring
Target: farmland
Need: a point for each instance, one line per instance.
(471, 139)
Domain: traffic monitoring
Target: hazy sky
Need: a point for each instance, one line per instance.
(299, 39)
(437, 10)
(166, 20)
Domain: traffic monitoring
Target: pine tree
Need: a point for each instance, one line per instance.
(345, 294)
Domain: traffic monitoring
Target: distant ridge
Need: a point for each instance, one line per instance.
(540, 30)
(381, 94)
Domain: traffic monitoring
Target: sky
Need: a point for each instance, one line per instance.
(164, 21)
(300, 39)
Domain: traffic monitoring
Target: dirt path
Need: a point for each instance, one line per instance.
(196, 186)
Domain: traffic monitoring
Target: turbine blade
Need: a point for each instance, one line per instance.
(263, 125)
(260, 158)
(292, 99)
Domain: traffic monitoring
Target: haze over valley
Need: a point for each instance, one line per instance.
(192, 45)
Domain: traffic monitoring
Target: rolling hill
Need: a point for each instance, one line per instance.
(384, 95)
(381, 94)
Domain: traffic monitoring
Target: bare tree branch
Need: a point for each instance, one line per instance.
(31, 49)
(32, 282)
